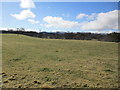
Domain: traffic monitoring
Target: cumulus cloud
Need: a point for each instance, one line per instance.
(27, 4)
(33, 21)
(24, 14)
(92, 16)
(66, 15)
(59, 22)
(108, 20)
(100, 22)
(81, 15)
(89, 17)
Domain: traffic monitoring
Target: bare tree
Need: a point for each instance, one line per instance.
(22, 29)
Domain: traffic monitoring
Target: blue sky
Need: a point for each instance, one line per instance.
(60, 16)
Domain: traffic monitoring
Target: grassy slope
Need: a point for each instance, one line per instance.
(35, 62)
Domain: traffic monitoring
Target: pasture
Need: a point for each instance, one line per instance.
(29, 62)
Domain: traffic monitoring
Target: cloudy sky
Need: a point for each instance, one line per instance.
(61, 16)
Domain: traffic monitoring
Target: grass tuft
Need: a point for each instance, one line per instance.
(16, 59)
(44, 70)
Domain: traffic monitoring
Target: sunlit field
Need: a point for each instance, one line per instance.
(29, 62)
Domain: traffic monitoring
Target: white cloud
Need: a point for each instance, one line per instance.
(33, 21)
(27, 4)
(66, 15)
(59, 22)
(92, 16)
(89, 17)
(24, 14)
(101, 31)
(41, 24)
(58, 31)
(3, 28)
(108, 20)
(27, 29)
(81, 15)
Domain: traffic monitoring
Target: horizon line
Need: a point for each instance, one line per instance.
(37, 30)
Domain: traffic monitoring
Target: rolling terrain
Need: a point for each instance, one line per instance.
(29, 62)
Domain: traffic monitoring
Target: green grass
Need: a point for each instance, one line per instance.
(58, 63)
(44, 70)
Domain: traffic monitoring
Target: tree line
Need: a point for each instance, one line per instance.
(111, 37)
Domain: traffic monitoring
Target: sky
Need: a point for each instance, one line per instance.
(98, 17)
(65, 0)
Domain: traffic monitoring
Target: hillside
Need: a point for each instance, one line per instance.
(40, 63)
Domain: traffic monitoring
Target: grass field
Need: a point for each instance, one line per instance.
(48, 63)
